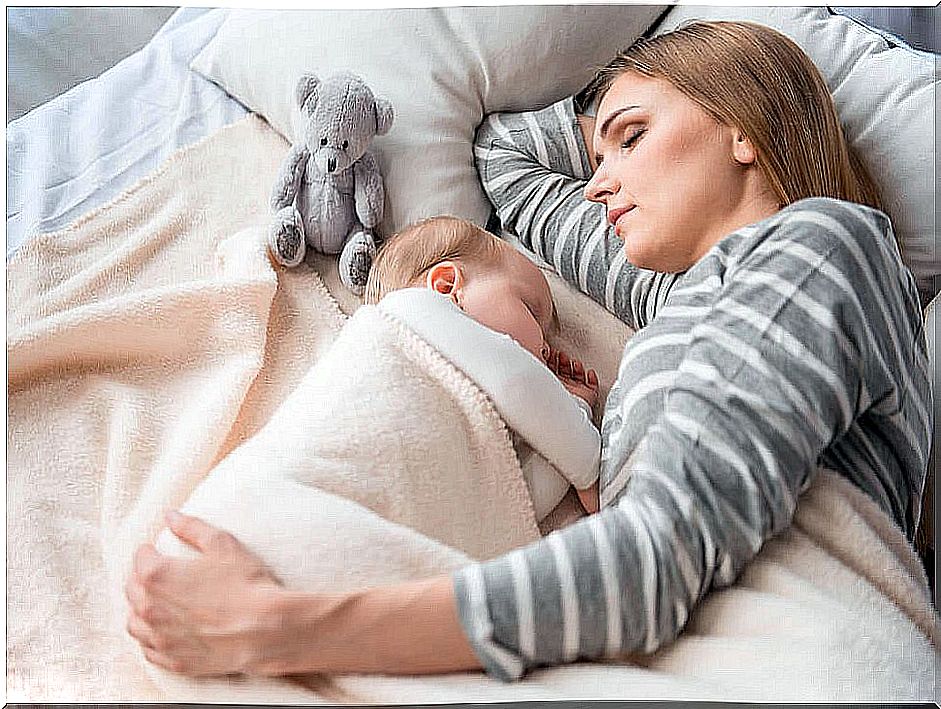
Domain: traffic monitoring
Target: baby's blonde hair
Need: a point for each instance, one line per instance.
(406, 256)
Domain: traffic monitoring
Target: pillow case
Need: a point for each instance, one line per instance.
(442, 68)
(886, 97)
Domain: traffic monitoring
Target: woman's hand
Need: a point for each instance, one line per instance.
(206, 616)
(224, 612)
(579, 381)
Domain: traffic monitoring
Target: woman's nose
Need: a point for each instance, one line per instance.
(600, 186)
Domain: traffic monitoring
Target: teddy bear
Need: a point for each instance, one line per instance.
(328, 195)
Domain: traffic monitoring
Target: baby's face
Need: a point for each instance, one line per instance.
(512, 298)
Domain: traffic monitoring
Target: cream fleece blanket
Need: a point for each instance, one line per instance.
(151, 338)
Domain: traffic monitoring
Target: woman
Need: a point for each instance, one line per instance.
(786, 336)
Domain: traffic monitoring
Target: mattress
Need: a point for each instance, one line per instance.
(85, 147)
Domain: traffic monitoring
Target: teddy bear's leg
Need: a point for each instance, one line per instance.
(286, 237)
(356, 259)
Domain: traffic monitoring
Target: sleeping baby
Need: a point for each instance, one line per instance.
(429, 270)
(437, 428)
(390, 459)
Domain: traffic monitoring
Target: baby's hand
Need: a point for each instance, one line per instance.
(589, 498)
(573, 375)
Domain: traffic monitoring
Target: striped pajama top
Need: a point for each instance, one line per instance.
(795, 342)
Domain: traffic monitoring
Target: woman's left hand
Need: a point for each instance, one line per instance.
(205, 616)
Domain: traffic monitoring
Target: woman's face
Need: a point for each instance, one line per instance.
(673, 179)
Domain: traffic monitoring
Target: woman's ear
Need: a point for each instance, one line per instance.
(742, 149)
(445, 278)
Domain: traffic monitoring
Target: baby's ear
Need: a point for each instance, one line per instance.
(444, 278)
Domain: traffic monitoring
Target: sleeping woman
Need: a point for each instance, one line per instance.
(778, 333)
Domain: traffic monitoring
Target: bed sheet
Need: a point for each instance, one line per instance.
(83, 148)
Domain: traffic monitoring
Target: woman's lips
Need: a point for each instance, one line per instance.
(615, 216)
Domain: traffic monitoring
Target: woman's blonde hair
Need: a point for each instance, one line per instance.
(406, 256)
(754, 78)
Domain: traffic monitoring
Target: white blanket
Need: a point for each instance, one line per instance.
(152, 338)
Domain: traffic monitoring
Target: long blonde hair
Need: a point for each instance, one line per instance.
(754, 78)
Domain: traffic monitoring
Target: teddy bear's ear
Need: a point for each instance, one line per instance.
(384, 115)
(306, 92)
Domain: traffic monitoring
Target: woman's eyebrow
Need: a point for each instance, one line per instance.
(610, 119)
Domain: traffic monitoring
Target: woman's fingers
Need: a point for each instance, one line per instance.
(164, 661)
(140, 631)
(198, 534)
(134, 593)
(147, 563)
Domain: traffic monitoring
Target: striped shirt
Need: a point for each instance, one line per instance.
(794, 343)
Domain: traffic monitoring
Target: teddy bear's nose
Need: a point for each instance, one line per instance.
(331, 164)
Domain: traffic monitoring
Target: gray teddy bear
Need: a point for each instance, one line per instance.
(328, 195)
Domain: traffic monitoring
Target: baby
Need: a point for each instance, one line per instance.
(499, 288)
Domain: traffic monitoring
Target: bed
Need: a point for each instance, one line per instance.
(149, 340)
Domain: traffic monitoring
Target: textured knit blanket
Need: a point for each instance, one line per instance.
(156, 359)
(377, 455)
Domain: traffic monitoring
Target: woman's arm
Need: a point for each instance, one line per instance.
(409, 628)
(796, 357)
(534, 167)
(224, 612)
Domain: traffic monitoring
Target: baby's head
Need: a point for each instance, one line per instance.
(486, 277)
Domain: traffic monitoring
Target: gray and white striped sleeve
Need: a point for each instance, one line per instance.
(534, 168)
(778, 368)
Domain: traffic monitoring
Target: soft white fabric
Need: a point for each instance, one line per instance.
(528, 396)
(886, 97)
(442, 68)
(83, 148)
(381, 420)
(135, 340)
(546, 487)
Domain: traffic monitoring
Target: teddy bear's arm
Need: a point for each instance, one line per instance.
(369, 193)
(289, 177)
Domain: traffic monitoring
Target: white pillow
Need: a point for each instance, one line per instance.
(442, 68)
(887, 101)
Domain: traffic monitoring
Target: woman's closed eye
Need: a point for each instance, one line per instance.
(627, 144)
(631, 140)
